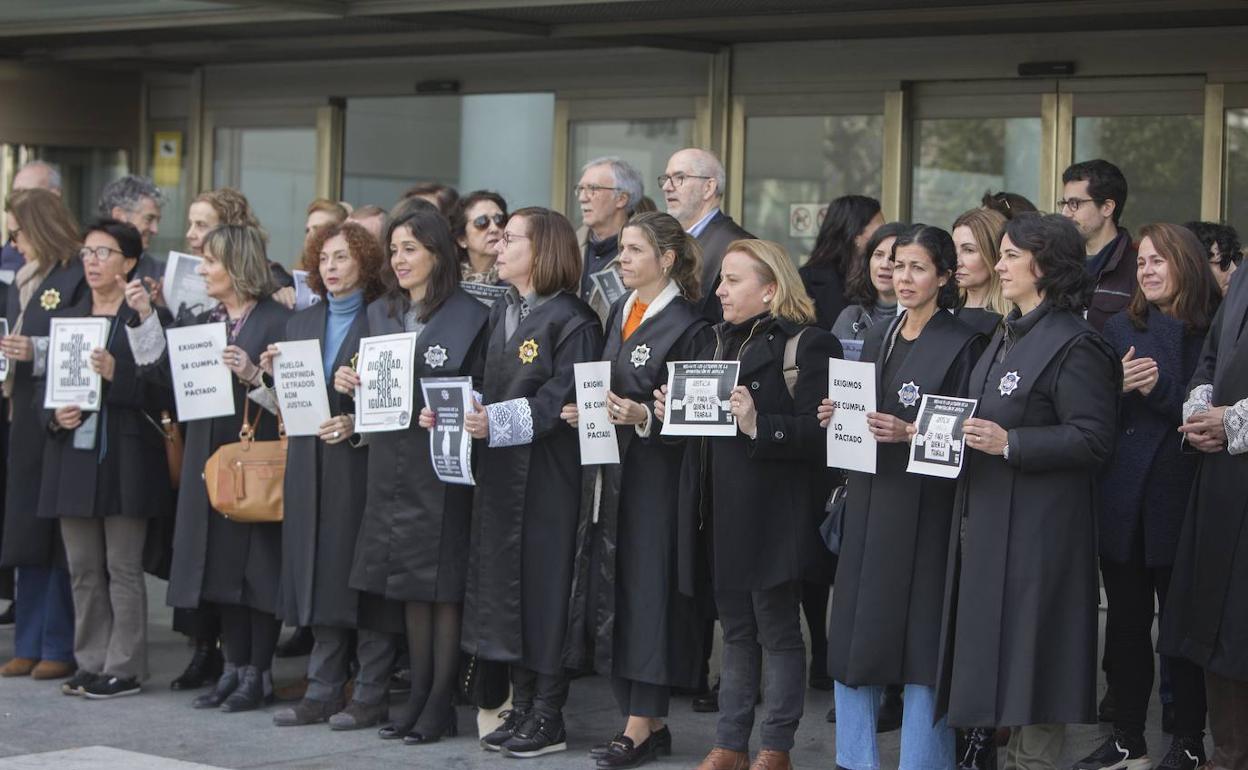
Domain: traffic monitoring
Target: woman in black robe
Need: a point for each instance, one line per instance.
(325, 485)
(527, 512)
(977, 238)
(885, 622)
(232, 565)
(1020, 611)
(413, 543)
(45, 232)
(646, 634)
(105, 477)
(1206, 618)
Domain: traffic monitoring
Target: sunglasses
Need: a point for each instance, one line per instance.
(484, 220)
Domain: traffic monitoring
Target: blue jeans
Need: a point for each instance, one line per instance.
(44, 623)
(923, 746)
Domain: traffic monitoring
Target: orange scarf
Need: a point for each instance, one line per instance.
(634, 318)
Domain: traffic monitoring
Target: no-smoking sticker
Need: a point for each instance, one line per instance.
(805, 219)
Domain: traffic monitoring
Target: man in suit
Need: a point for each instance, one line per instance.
(693, 188)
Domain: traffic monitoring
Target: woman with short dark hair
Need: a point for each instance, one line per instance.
(1047, 389)
(476, 225)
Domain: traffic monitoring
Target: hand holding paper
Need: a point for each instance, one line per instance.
(103, 363)
(985, 435)
(476, 422)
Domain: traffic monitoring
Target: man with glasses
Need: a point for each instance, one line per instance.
(137, 201)
(1094, 194)
(693, 188)
(608, 192)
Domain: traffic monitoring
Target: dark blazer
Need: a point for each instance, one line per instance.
(30, 541)
(1147, 483)
(130, 479)
(714, 240)
(1115, 283)
(826, 287)
(752, 498)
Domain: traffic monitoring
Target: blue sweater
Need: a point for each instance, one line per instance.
(342, 312)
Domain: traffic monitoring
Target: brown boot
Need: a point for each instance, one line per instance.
(772, 760)
(723, 759)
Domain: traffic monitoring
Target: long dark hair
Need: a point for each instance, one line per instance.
(858, 286)
(1058, 253)
(1196, 296)
(847, 217)
(428, 226)
(939, 247)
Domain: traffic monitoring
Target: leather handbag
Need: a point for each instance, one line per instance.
(833, 527)
(244, 479)
(483, 683)
(173, 447)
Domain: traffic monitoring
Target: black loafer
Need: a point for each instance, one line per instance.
(249, 695)
(205, 667)
(226, 684)
(625, 754)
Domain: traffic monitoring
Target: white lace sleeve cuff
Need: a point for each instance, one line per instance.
(40, 361)
(511, 422)
(1235, 422)
(643, 430)
(1199, 400)
(264, 397)
(147, 340)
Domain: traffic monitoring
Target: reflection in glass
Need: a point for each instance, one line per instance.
(84, 173)
(1237, 168)
(643, 144)
(1160, 155)
(808, 159)
(957, 160)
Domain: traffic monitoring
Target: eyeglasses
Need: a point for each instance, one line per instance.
(1073, 204)
(100, 253)
(678, 179)
(484, 220)
(508, 237)
(590, 189)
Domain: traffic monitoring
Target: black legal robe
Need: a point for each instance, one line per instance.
(29, 540)
(527, 512)
(124, 472)
(215, 559)
(1206, 617)
(981, 319)
(413, 541)
(1018, 642)
(885, 621)
(642, 628)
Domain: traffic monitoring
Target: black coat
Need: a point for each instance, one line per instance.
(827, 288)
(642, 627)
(751, 499)
(714, 239)
(413, 541)
(1206, 617)
(885, 621)
(323, 502)
(31, 541)
(1115, 281)
(526, 512)
(1145, 489)
(982, 320)
(1018, 645)
(215, 559)
(132, 479)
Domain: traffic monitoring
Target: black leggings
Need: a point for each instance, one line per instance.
(433, 647)
(250, 636)
(815, 608)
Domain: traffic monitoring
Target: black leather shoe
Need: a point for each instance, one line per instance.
(600, 750)
(205, 668)
(891, 708)
(537, 737)
(298, 645)
(512, 719)
(249, 695)
(707, 703)
(662, 739)
(624, 753)
(226, 684)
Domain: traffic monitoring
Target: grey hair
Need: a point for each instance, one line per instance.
(240, 248)
(706, 163)
(127, 193)
(627, 180)
(54, 172)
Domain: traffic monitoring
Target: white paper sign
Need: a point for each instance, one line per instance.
(304, 296)
(299, 379)
(609, 283)
(450, 446)
(184, 288)
(851, 388)
(698, 398)
(940, 445)
(71, 380)
(598, 445)
(384, 399)
(4, 360)
(202, 384)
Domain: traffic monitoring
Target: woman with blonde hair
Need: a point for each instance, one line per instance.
(744, 501)
(977, 238)
(52, 279)
(652, 638)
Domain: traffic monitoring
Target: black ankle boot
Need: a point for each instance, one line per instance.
(226, 684)
(249, 695)
(205, 667)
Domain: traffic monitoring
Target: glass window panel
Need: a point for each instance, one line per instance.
(1160, 155)
(644, 144)
(806, 159)
(84, 172)
(957, 160)
(488, 141)
(1236, 167)
(276, 169)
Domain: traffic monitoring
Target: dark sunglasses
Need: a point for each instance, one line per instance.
(484, 220)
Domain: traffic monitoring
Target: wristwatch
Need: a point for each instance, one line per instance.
(1005, 450)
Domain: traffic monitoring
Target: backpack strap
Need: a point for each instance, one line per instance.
(791, 369)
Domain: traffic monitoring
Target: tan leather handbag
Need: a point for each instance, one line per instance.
(244, 479)
(173, 447)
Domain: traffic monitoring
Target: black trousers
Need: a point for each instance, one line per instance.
(543, 694)
(1129, 589)
(640, 699)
